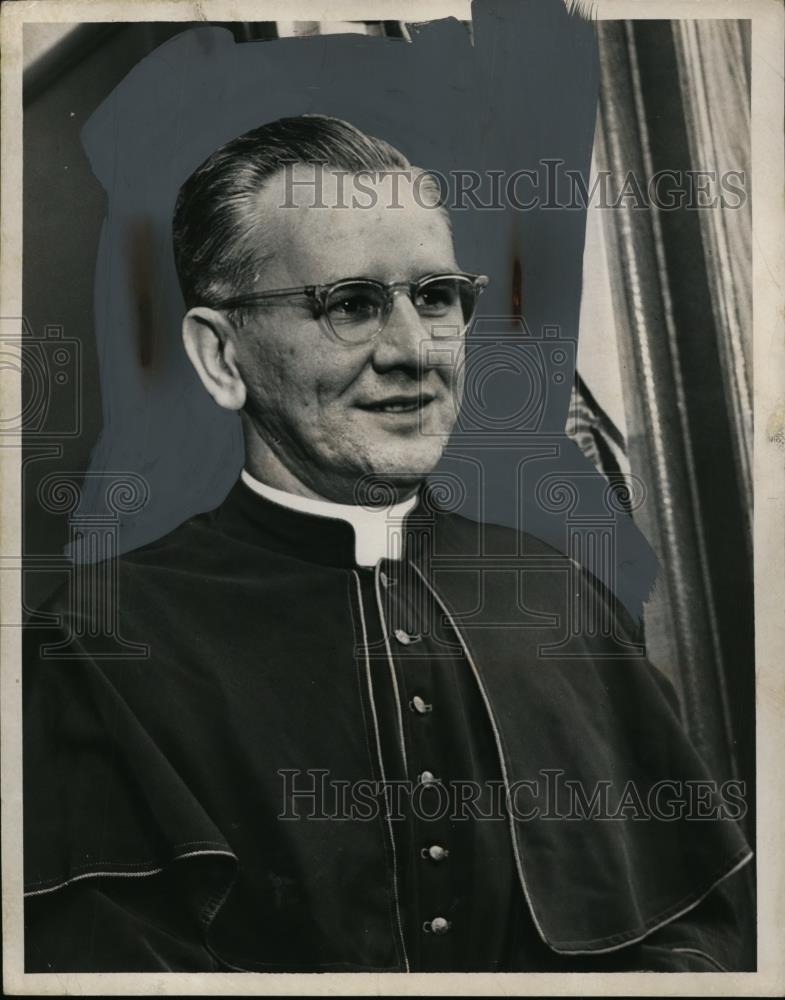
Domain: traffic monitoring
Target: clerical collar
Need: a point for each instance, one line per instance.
(378, 532)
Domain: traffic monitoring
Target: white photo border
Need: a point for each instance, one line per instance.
(768, 183)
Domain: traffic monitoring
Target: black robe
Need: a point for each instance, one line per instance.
(154, 754)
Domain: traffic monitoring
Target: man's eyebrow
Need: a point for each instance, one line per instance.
(413, 273)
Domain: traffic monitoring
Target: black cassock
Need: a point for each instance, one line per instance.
(453, 761)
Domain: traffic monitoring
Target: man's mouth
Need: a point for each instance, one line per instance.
(398, 404)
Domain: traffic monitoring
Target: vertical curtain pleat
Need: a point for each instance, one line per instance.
(659, 429)
(715, 89)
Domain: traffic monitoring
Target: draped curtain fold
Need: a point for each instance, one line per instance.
(675, 96)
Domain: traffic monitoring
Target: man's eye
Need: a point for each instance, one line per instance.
(348, 307)
(437, 299)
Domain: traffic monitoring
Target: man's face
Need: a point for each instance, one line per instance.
(333, 412)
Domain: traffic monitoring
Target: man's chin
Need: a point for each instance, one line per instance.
(393, 478)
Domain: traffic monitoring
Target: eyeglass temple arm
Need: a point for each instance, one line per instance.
(310, 291)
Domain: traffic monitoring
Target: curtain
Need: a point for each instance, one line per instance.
(675, 97)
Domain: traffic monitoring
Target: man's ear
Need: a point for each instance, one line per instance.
(210, 347)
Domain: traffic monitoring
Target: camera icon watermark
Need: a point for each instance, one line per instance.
(505, 376)
(49, 366)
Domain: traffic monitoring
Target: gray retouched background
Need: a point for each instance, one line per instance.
(524, 91)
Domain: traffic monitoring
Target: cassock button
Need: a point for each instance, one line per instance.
(427, 778)
(439, 925)
(419, 705)
(404, 637)
(435, 852)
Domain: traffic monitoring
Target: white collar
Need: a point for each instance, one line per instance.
(378, 532)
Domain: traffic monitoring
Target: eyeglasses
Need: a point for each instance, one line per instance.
(357, 309)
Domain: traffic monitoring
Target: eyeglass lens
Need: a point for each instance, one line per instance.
(358, 310)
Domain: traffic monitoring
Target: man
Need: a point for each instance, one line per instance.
(350, 746)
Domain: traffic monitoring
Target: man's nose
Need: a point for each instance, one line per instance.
(401, 343)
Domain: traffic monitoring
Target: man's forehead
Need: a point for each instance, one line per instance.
(333, 224)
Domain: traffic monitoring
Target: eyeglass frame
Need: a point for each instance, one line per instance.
(319, 294)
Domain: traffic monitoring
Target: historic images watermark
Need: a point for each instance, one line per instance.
(313, 794)
(548, 186)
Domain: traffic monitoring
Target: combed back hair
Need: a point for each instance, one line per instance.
(218, 239)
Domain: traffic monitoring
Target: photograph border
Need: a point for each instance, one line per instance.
(768, 183)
